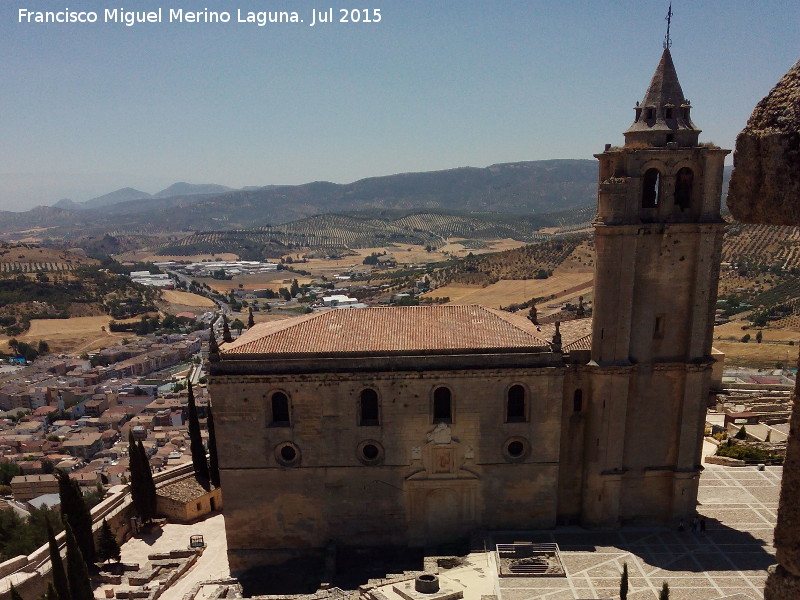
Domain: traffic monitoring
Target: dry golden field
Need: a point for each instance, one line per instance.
(404, 254)
(735, 330)
(761, 356)
(186, 299)
(75, 335)
(564, 287)
(774, 348)
(260, 281)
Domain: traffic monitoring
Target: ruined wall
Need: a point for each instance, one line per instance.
(765, 188)
(765, 184)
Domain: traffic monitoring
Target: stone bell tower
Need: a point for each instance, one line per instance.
(658, 237)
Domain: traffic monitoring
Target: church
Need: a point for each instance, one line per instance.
(411, 426)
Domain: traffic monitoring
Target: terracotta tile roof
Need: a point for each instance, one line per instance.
(184, 490)
(575, 334)
(390, 330)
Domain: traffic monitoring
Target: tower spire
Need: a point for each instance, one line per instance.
(667, 39)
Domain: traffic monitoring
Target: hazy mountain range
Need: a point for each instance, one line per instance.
(128, 194)
(520, 188)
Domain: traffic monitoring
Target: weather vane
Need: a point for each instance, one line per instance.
(667, 40)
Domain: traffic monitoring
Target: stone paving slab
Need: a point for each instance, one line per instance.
(730, 558)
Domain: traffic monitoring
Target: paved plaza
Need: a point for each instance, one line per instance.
(730, 558)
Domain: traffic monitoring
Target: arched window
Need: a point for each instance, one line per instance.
(369, 408)
(684, 181)
(651, 188)
(515, 405)
(577, 401)
(280, 410)
(442, 405)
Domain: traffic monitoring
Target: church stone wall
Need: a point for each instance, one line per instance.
(430, 483)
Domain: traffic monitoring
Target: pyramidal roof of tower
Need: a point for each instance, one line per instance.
(664, 87)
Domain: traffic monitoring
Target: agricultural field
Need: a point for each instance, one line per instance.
(24, 258)
(404, 254)
(261, 281)
(760, 356)
(75, 335)
(558, 289)
(186, 299)
(332, 233)
(736, 329)
(762, 244)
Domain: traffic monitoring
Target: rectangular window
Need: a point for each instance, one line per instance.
(658, 329)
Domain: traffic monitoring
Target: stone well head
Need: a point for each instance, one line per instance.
(427, 583)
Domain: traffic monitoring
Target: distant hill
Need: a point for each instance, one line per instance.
(333, 234)
(522, 188)
(188, 189)
(121, 195)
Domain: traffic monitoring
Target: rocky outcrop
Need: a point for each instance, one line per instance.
(765, 184)
(765, 188)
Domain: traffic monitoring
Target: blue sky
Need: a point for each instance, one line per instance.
(89, 108)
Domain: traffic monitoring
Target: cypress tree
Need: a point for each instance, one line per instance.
(226, 331)
(148, 483)
(137, 480)
(107, 547)
(80, 587)
(51, 593)
(61, 587)
(143, 489)
(250, 320)
(664, 595)
(623, 583)
(75, 512)
(213, 469)
(196, 441)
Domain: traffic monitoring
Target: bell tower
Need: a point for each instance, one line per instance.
(658, 238)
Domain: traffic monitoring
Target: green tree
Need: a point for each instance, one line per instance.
(294, 289)
(80, 587)
(196, 441)
(213, 469)
(147, 480)
(75, 513)
(43, 347)
(250, 320)
(759, 337)
(745, 338)
(107, 546)
(623, 583)
(7, 472)
(664, 595)
(741, 434)
(60, 585)
(238, 326)
(142, 493)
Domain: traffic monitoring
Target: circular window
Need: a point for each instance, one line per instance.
(370, 452)
(516, 449)
(287, 454)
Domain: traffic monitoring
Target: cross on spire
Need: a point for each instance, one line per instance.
(667, 39)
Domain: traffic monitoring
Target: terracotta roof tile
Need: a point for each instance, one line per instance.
(575, 334)
(390, 330)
